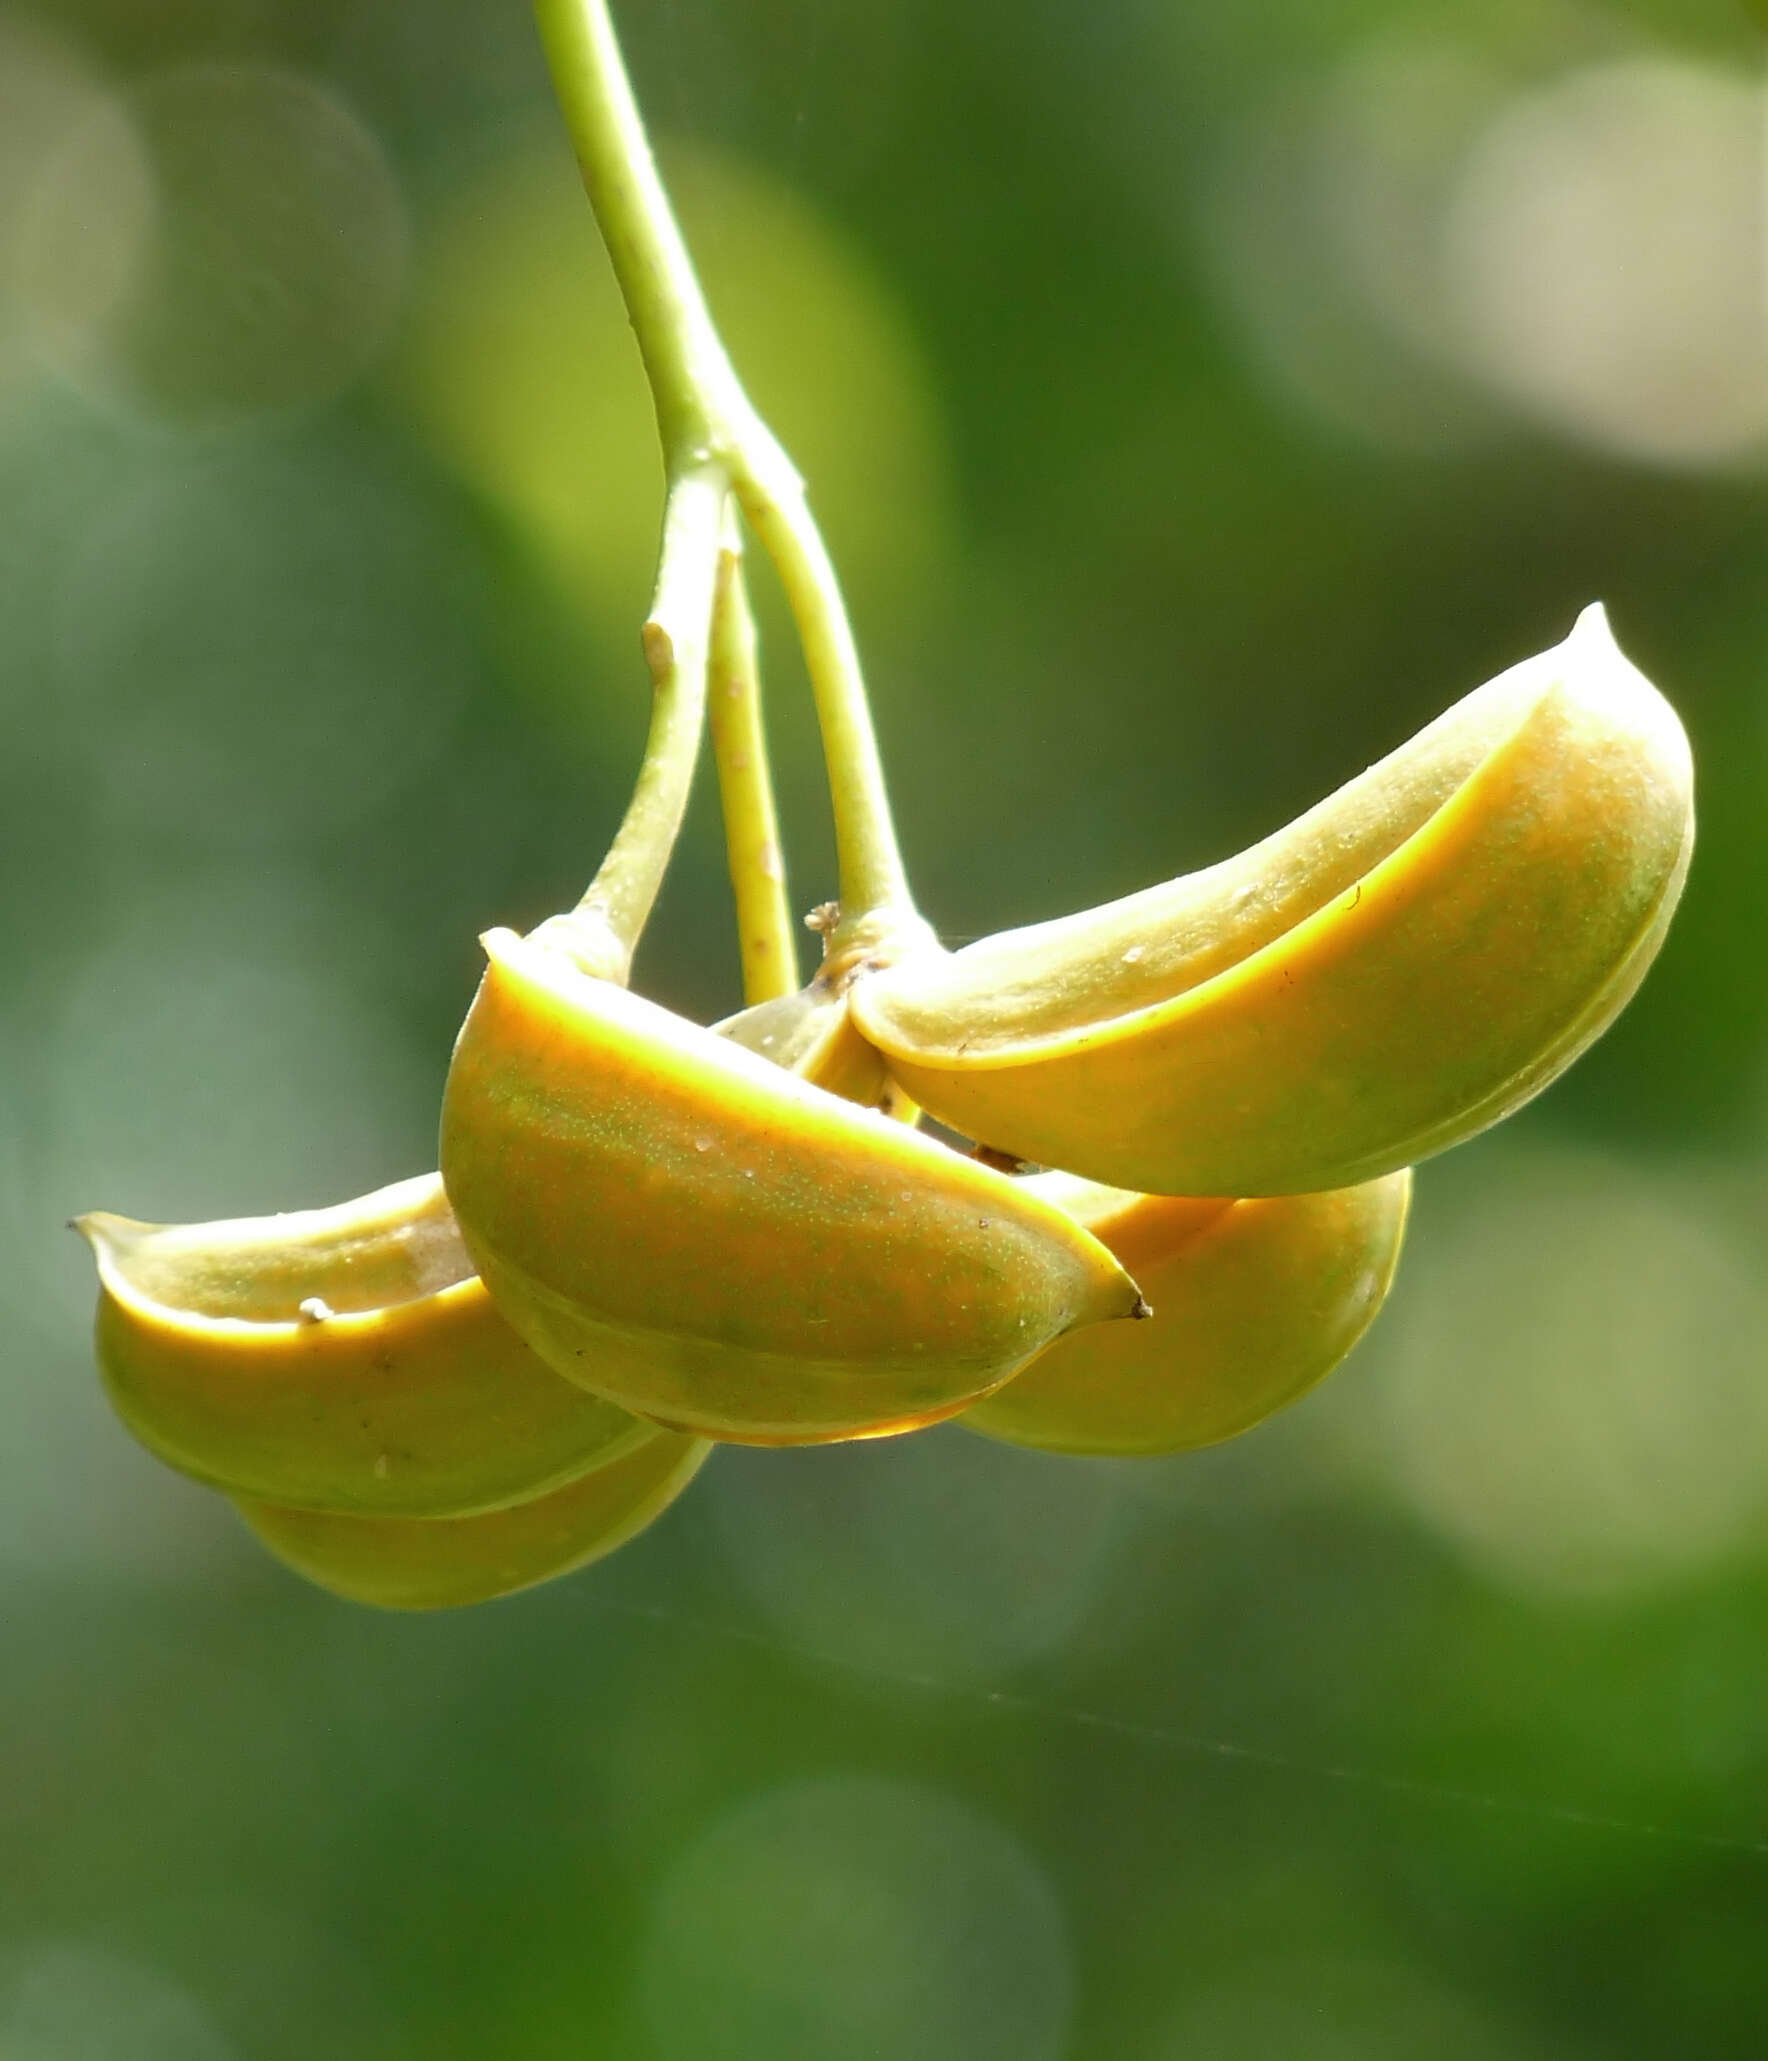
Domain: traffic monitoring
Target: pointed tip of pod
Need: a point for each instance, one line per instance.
(584, 937)
(1259, 1301)
(1112, 1293)
(112, 1238)
(1599, 673)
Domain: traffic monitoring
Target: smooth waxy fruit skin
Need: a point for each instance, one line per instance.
(724, 1247)
(440, 1563)
(339, 1359)
(1254, 1302)
(1406, 963)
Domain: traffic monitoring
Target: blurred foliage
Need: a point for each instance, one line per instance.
(1194, 416)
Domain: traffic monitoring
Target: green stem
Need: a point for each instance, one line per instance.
(705, 419)
(751, 822)
(691, 380)
(677, 635)
(874, 883)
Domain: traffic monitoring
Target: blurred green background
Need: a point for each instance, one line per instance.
(1198, 398)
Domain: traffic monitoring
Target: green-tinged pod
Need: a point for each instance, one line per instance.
(810, 1033)
(440, 1563)
(1406, 963)
(725, 1247)
(338, 1359)
(1254, 1302)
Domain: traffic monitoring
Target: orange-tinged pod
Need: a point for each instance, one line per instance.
(340, 1359)
(440, 1563)
(723, 1246)
(1406, 963)
(1254, 1303)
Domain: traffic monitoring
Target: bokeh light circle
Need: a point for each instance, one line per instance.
(262, 645)
(217, 242)
(943, 1556)
(1571, 1386)
(1606, 252)
(66, 2000)
(47, 90)
(1321, 220)
(844, 1916)
(211, 1059)
(523, 371)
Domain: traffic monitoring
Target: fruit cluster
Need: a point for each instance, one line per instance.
(709, 1244)
(648, 1236)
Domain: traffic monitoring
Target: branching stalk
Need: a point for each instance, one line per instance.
(707, 423)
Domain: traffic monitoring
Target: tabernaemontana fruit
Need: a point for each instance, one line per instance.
(1254, 1302)
(339, 1359)
(440, 1563)
(1406, 963)
(726, 1247)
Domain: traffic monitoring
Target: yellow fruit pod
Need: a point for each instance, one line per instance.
(340, 1359)
(1254, 1303)
(810, 1032)
(441, 1563)
(1406, 963)
(722, 1246)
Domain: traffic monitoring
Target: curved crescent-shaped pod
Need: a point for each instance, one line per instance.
(1254, 1302)
(1404, 964)
(439, 1563)
(338, 1359)
(724, 1247)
